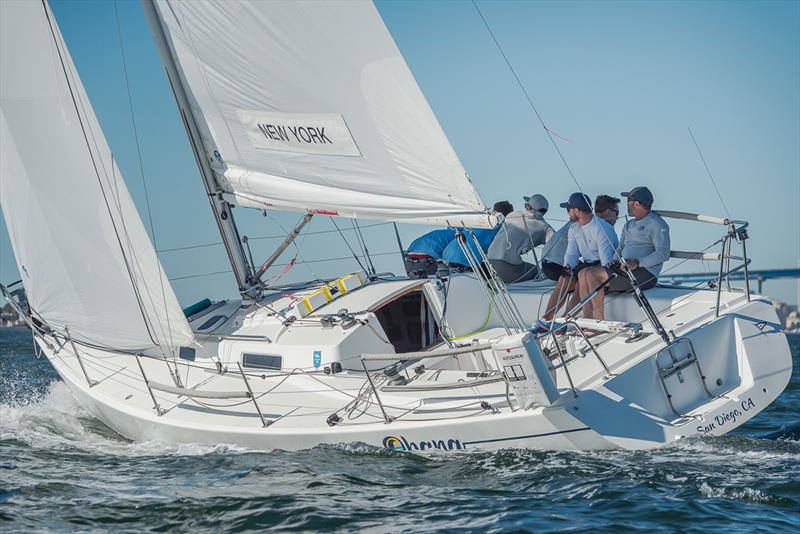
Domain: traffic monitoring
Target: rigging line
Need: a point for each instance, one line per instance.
(161, 274)
(527, 96)
(318, 232)
(294, 242)
(58, 44)
(340, 258)
(257, 238)
(133, 123)
(299, 247)
(190, 276)
(366, 250)
(358, 238)
(346, 242)
(363, 244)
(191, 247)
(713, 182)
(617, 254)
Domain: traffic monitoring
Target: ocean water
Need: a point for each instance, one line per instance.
(63, 470)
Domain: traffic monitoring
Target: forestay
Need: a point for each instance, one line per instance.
(309, 106)
(84, 256)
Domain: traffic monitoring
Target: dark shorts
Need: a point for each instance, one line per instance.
(581, 265)
(644, 278)
(510, 273)
(552, 270)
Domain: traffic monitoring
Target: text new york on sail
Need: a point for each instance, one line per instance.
(299, 134)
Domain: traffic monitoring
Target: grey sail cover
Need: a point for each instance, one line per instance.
(83, 253)
(309, 106)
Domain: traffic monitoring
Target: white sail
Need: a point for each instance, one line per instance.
(309, 106)
(83, 253)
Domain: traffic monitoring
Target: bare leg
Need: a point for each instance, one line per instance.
(552, 302)
(584, 287)
(558, 297)
(575, 297)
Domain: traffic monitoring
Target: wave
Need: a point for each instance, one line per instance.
(55, 420)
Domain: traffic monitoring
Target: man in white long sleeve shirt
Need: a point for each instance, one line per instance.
(591, 241)
(645, 246)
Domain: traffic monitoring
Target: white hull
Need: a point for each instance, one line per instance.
(743, 354)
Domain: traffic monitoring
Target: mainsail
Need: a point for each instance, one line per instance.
(309, 106)
(83, 253)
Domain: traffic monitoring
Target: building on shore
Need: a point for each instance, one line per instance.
(8, 317)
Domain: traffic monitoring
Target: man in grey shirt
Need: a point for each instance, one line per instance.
(519, 233)
(644, 245)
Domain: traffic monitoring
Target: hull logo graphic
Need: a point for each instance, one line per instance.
(402, 444)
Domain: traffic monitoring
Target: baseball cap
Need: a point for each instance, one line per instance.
(537, 202)
(578, 200)
(642, 194)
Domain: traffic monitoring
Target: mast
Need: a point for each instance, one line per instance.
(242, 269)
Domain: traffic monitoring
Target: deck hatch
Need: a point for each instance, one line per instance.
(211, 322)
(262, 361)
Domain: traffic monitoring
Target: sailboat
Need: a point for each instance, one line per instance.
(309, 107)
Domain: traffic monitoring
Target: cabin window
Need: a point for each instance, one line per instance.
(409, 323)
(187, 353)
(262, 361)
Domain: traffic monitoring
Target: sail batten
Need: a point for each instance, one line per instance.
(309, 106)
(83, 253)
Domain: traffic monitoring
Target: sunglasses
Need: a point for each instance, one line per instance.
(542, 211)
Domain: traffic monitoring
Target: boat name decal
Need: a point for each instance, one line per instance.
(730, 416)
(402, 444)
(307, 133)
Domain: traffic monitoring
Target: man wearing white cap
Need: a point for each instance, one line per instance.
(520, 232)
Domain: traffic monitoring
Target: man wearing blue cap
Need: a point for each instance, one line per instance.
(591, 241)
(644, 245)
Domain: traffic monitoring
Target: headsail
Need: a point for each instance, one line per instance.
(84, 255)
(309, 106)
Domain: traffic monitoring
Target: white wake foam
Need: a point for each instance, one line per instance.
(57, 421)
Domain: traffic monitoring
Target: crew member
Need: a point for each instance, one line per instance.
(520, 232)
(644, 245)
(607, 208)
(503, 206)
(591, 241)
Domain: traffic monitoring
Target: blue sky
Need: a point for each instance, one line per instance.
(621, 80)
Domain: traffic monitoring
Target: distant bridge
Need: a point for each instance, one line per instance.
(755, 276)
